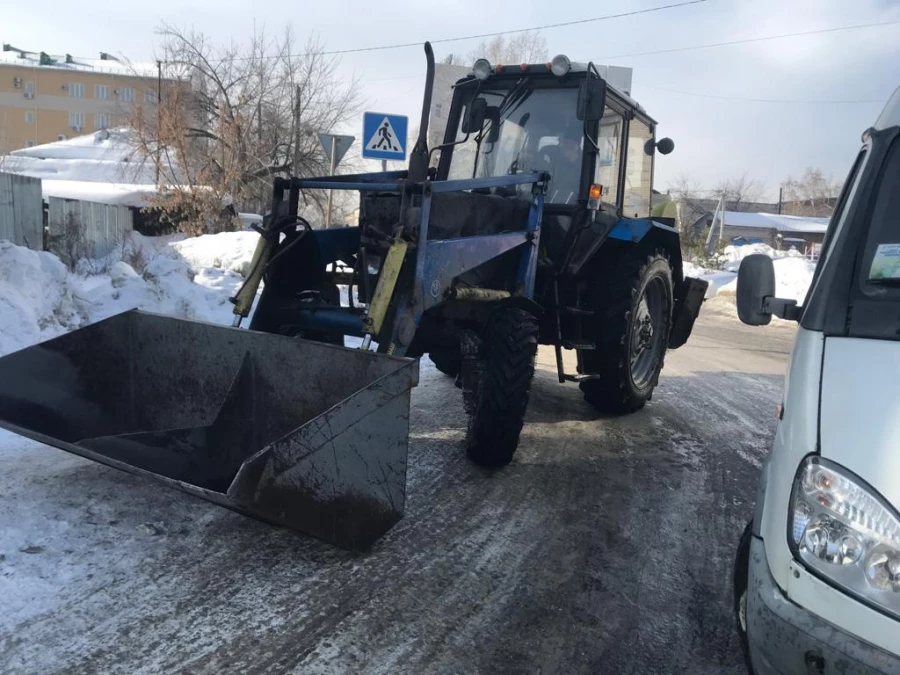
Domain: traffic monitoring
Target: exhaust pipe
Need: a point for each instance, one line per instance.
(418, 158)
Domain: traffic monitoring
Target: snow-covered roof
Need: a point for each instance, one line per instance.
(109, 145)
(773, 221)
(111, 65)
(102, 157)
(124, 194)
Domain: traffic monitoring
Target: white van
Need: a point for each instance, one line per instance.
(817, 574)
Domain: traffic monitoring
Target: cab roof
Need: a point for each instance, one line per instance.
(542, 70)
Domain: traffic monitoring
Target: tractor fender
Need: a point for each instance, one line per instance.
(521, 302)
(651, 235)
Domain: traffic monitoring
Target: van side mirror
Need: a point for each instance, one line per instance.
(473, 116)
(756, 301)
(591, 98)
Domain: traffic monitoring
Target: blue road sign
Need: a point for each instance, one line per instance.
(384, 136)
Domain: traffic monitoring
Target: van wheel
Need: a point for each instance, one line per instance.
(740, 583)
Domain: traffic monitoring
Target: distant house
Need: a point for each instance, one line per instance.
(778, 231)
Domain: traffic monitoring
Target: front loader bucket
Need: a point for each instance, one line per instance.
(304, 434)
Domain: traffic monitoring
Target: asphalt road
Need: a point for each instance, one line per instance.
(604, 548)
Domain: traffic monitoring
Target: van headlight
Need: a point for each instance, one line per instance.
(840, 528)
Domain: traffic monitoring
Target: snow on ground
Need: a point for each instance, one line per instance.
(229, 251)
(793, 271)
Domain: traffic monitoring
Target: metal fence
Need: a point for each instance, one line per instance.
(88, 229)
(21, 210)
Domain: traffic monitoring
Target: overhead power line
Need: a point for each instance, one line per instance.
(757, 100)
(747, 40)
(561, 24)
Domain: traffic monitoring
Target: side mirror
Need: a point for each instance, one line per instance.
(473, 116)
(664, 145)
(756, 283)
(591, 99)
(756, 301)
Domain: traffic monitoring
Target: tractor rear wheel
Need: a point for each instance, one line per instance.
(632, 301)
(497, 404)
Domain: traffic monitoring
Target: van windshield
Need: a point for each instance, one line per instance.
(880, 269)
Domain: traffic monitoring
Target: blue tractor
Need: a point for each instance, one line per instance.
(530, 224)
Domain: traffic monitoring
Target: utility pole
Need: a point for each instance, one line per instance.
(780, 197)
(158, 117)
(296, 163)
(331, 173)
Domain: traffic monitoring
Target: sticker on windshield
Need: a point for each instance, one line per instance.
(886, 263)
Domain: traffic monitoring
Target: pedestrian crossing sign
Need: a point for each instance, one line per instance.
(384, 136)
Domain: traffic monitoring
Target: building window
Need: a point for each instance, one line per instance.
(29, 90)
(76, 90)
(29, 117)
(29, 144)
(126, 94)
(101, 121)
(76, 120)
(101, 91)
(150, 97)
(61, 137)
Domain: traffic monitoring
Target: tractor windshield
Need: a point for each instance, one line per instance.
(526, 129)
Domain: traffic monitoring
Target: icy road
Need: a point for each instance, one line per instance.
(604, 548)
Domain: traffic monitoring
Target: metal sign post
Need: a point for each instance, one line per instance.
(335, 147)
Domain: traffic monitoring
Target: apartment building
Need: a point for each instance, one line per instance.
(45, 98)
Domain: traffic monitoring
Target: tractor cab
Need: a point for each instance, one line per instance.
(596, 143)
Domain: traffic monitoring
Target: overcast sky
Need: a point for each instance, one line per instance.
(698, 96)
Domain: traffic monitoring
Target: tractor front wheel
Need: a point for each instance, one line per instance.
(632, 303)
(496, 403)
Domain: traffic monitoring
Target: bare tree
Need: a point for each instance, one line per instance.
(813, 194)
(529, 47)
(741, 193)
(225, 125)
(687, 193)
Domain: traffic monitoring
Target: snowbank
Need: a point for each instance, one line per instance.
(793, 271)
(733, 255)
(40, 298)
(36, 297)
(793, 276)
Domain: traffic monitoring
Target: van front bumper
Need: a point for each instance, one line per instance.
(786, 639)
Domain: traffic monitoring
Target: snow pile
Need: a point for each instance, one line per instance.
(793, 277)
(228, 251)
(793, 271)
(733, 255)
(193, 279)
(36, 297)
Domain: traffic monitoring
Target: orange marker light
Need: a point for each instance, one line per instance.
(523, 67)
(596, 191)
